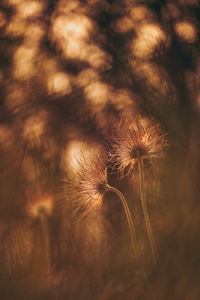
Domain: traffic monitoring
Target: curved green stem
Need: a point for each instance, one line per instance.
(145, 212)
(45, 238)
(128, 217)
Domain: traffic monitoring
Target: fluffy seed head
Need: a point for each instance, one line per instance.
(134, 141)
(85, 190)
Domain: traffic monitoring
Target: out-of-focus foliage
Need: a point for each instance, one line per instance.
(69, 72)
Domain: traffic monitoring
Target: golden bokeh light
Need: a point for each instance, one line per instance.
(34, 127)
(186, 31)
(140, 13)
(34, 33)
(86, 77)
(70, 32)
(24, 62)
(149, 38)
(30, 9)
(59, 83)
(96, 94)
(67, 7)
(78, 150)
(74, 153)
(123, 24)
(72, 35)
(96, 57)
(15, 2)
(16, 27)
(124, 102)
(24, 11)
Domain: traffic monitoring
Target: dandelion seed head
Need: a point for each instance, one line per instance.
(86, 188)
(131, 142)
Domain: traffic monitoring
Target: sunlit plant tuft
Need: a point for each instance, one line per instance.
(135, 147)
(86, 189)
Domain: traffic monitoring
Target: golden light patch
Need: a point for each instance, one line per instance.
(28, 9)
(123, 25)
(140, 13)
(124, 103)
(16, 27)
(70, 6)
(96, 57)
(74, 153)
(97, 94)
(15, 2)
(74, 49)
(78, 151)
(75, 27)
(59, 83)
(149, 37)
(24, 59)
(86, 77)
(71, 34)
(34, 33)
(34, 126)
(186, 31)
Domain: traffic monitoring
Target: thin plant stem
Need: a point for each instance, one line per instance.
(128, 217)
(45, 239)
(145, 212)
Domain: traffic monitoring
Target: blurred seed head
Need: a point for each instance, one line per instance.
(134, 141)
(42, 205)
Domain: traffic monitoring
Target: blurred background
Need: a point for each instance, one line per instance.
(70, 71)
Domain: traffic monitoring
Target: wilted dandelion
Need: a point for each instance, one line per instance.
(42, 209)
(134, 147)
(87, 188)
